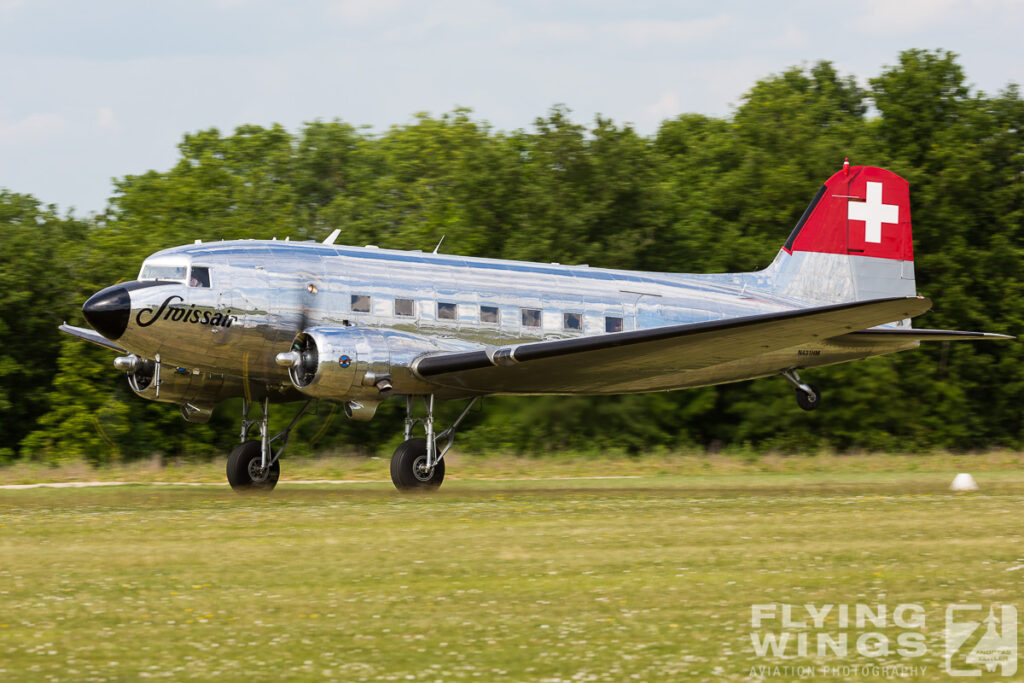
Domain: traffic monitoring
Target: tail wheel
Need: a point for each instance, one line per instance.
(408, 467)
(808, 401)
(244, 471)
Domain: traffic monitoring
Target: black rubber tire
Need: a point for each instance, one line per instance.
(403, 467)
(809, 402)
(238, 468)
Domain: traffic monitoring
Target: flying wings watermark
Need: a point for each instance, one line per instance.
(876, 640)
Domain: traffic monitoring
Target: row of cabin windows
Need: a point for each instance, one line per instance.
(406, 308)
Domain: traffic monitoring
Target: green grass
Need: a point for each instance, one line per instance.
(340, 467)
(650, 577)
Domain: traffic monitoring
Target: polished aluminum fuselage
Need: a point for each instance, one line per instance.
(262, 293)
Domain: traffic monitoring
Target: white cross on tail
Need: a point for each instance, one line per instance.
(873, 212)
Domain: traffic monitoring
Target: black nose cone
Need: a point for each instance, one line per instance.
(107, 311)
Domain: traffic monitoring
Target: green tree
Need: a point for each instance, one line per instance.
(36, 294)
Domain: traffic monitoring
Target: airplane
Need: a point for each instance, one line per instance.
(276, 321)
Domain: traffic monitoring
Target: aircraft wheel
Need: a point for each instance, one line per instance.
(244, 469)
(407, 471)
(808, 401)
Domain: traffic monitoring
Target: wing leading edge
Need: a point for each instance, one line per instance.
(90, 336)
(645, 360)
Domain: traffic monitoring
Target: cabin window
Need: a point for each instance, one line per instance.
(404, 307)
(488, 314)
(612, 324)
(572, 321)
(150, 272)
(531, 317)
(446, 311)
(200, 277)
(360, 303)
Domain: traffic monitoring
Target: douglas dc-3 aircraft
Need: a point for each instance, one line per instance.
(278, 321)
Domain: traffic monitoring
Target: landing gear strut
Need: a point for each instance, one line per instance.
(807, 395)
(418, 464)
(253, 464)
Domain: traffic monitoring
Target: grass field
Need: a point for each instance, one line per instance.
(645, 578)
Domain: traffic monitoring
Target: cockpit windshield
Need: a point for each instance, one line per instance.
(155, 271)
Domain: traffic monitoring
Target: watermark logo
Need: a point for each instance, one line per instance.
(976, 641)
(837, 631)
(857, 640)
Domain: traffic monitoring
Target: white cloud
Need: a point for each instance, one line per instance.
(105, 118)
(790, 37)
(667, 106)
(8, 5)
(361, 11)
(31, 129)
(647, 31)
(561, 31)
(634, 32)
(905, 16)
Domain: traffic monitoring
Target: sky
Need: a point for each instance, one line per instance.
(90, 91)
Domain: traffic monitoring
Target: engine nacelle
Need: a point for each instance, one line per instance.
(356, 364)
(337, 363)
(197, 393)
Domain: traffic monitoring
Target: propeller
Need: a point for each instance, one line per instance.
(302, 360)
(305, 302)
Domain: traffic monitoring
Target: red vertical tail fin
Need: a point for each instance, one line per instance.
(864, 211)
(853, 242)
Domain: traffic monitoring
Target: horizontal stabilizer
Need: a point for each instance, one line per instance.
(90, 336)
(894, 333)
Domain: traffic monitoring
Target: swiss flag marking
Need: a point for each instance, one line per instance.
(879, 198)
(873, 212)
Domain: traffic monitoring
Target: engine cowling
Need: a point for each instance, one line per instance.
(337, 363)
(355, 364)
(197, 393)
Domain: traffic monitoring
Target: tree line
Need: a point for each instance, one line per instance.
(702, 194)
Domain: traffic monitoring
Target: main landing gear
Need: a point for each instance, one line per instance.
(254, 464)
(807, 395)
(418, 464)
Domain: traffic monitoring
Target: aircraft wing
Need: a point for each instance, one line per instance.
(646, 360)
(90, 336)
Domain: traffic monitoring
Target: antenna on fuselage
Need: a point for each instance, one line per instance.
(333, 236)
(439, 244)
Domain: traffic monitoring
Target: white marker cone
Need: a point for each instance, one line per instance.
(963, 482)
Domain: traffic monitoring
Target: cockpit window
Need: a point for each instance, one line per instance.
(200, 277)
(157, 272)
